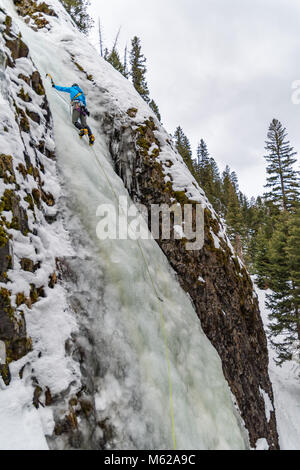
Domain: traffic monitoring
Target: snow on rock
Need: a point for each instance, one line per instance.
(268, 404)
(262, 444)
(216, 239)
(21, 424)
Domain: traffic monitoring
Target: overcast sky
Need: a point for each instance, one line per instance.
(222, 69)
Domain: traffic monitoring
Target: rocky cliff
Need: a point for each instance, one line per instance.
(25, 201)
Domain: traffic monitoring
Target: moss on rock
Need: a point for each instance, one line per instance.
(6, 169)
(34, 10)
(24, 96)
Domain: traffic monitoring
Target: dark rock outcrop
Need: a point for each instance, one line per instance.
(34, 12)
(12, 333)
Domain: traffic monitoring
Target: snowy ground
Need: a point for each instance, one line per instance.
(286, 386)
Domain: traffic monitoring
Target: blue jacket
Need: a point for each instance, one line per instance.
(74, 91)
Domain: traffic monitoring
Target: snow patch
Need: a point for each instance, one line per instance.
(21, 427)
(216, 239)
(262, 444)
(268, 404)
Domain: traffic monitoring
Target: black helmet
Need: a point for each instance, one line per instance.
(75, 84)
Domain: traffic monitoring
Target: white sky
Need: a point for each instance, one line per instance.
(222, 69)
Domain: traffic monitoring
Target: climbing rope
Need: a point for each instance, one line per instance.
(163, 325)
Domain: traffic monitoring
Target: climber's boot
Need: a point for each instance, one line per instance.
(92, 139)
(83, 132)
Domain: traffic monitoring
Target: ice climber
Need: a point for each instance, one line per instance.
(80, 111)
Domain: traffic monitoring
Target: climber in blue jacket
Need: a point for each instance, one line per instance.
(80, 111)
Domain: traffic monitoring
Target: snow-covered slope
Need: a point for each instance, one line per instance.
(286, 386)
(106, 305)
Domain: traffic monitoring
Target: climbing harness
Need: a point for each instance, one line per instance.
(155, 290)
(77, 96)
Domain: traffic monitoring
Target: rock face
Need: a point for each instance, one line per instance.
(14, 219)
(29, 258)
(34, 12)
(217, 282)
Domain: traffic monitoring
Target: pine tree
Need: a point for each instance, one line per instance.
(255, 216)
(214, 185)
(284, 326)
(138, 69)
(114, 59)
(78, 12)
(215, 172)
(203, 164)
(261, 259)
(245, 208)
(293, 254)
(155, 109)
(226, 185)
(183, 147)
(206, 168)
(234, 217)
(182, 144)
(202, 154)
(234, 180)
(282, 179)
(206, 172)
(217, 186)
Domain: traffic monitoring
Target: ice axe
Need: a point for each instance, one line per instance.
(51, 78)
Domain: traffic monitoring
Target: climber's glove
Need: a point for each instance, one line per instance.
(87, 112)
